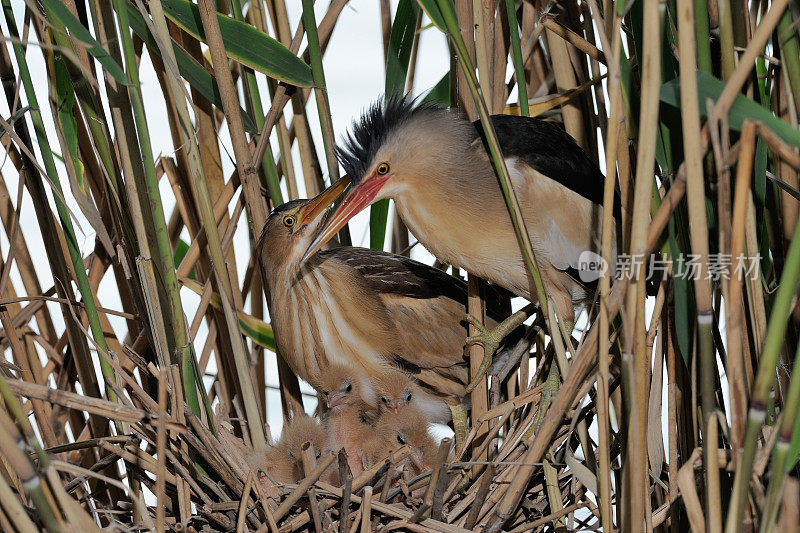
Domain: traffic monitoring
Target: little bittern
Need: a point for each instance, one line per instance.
(436, 167)
(373, 311)
(283, 462)
(397, 389)
(405, 427)
(348, 421)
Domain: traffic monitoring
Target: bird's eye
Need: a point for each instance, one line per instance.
(348, 386)
(318, 454)
(407, 396)
(402, 438)
(289, 221)
(385, 400)
(382, 169)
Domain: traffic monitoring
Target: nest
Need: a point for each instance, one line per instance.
(167, 465)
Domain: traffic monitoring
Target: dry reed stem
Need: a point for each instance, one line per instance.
(479, 397)
(574, 39)
(734, 309)
(634, 359)
(366, 510)
(161, 445)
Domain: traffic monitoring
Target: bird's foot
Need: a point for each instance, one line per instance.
(490, 339)
(549, 390)
(460, 423)
(465, 481)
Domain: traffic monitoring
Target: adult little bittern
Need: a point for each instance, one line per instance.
(436, 167)
(373, 311)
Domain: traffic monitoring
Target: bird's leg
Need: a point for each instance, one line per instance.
(460, 422)
(548, 391)
(490, 339)
(550, 388)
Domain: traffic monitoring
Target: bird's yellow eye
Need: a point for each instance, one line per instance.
(382, 169)
(289, 221)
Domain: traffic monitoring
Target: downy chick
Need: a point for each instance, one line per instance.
(397, 389)
(283, 462)
(346, 393)
(395, 429)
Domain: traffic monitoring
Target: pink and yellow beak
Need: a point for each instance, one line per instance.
(317, 206)
(359, 197)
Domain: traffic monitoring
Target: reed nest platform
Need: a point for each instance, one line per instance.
(183, 476)
(166, 469)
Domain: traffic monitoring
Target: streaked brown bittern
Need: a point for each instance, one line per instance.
(373, 311)
(436, 167)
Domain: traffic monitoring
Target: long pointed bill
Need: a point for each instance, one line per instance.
(357, 199)
(318, 205)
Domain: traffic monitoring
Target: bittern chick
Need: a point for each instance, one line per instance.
(397, 389)
(349, 416)
(363, 308)
(407, 426)
(283, 462)
(436, 168)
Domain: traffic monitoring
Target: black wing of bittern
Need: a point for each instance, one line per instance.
(551, 151)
